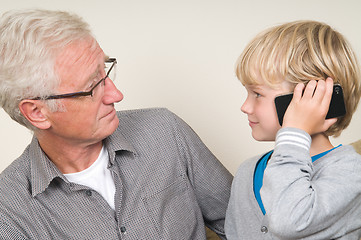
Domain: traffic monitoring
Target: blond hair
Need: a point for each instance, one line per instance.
(301, 51)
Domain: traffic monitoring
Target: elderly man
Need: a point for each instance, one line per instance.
(91, 172)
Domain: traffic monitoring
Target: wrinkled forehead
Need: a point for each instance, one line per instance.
(78, 61)
(82, 55)
(80, 50)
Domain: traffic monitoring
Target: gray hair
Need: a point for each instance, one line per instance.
(30, 40)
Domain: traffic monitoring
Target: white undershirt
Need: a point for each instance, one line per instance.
(97, 177)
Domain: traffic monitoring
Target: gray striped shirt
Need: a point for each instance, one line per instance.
(168, 184)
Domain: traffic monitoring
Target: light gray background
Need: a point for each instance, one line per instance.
(180, 54)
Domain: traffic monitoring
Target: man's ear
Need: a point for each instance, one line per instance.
(35, 112)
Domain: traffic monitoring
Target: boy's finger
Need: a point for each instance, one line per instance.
(320, 90)
(297, 92)
(310, 89)
(328, 93)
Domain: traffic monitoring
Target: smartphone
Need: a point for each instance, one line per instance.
(337, 105)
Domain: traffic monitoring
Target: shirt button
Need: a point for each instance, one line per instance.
(88, 192)
(264, 229)
(123, 229)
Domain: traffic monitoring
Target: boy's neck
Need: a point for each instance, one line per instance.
(320, 143)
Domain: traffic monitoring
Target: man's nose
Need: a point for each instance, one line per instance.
(111, 92)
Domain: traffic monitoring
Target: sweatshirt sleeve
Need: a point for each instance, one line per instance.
(302, 202)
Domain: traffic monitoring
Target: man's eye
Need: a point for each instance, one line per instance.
(92, 84)
(95, 80)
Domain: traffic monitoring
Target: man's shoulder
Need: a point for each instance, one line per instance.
(146, 125)
(16, 173)
(147, 117)
(15, 183)
(145, 112)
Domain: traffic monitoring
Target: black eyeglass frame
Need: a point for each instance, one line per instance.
(83, 93)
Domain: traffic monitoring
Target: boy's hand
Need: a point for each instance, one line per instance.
(308, 111)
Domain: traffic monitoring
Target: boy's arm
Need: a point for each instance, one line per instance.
(297, 205)
(302, 203)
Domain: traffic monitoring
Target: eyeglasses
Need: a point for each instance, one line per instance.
(112, 61)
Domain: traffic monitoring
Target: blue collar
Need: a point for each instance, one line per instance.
(320, 155)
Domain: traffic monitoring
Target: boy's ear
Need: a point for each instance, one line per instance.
(35, 112)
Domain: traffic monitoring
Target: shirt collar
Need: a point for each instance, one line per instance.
(43, 170)
(117, 142)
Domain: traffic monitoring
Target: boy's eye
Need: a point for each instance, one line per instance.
(257, 94)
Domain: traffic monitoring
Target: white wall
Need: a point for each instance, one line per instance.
(180, 54)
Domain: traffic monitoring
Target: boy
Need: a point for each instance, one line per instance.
(311, 189)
